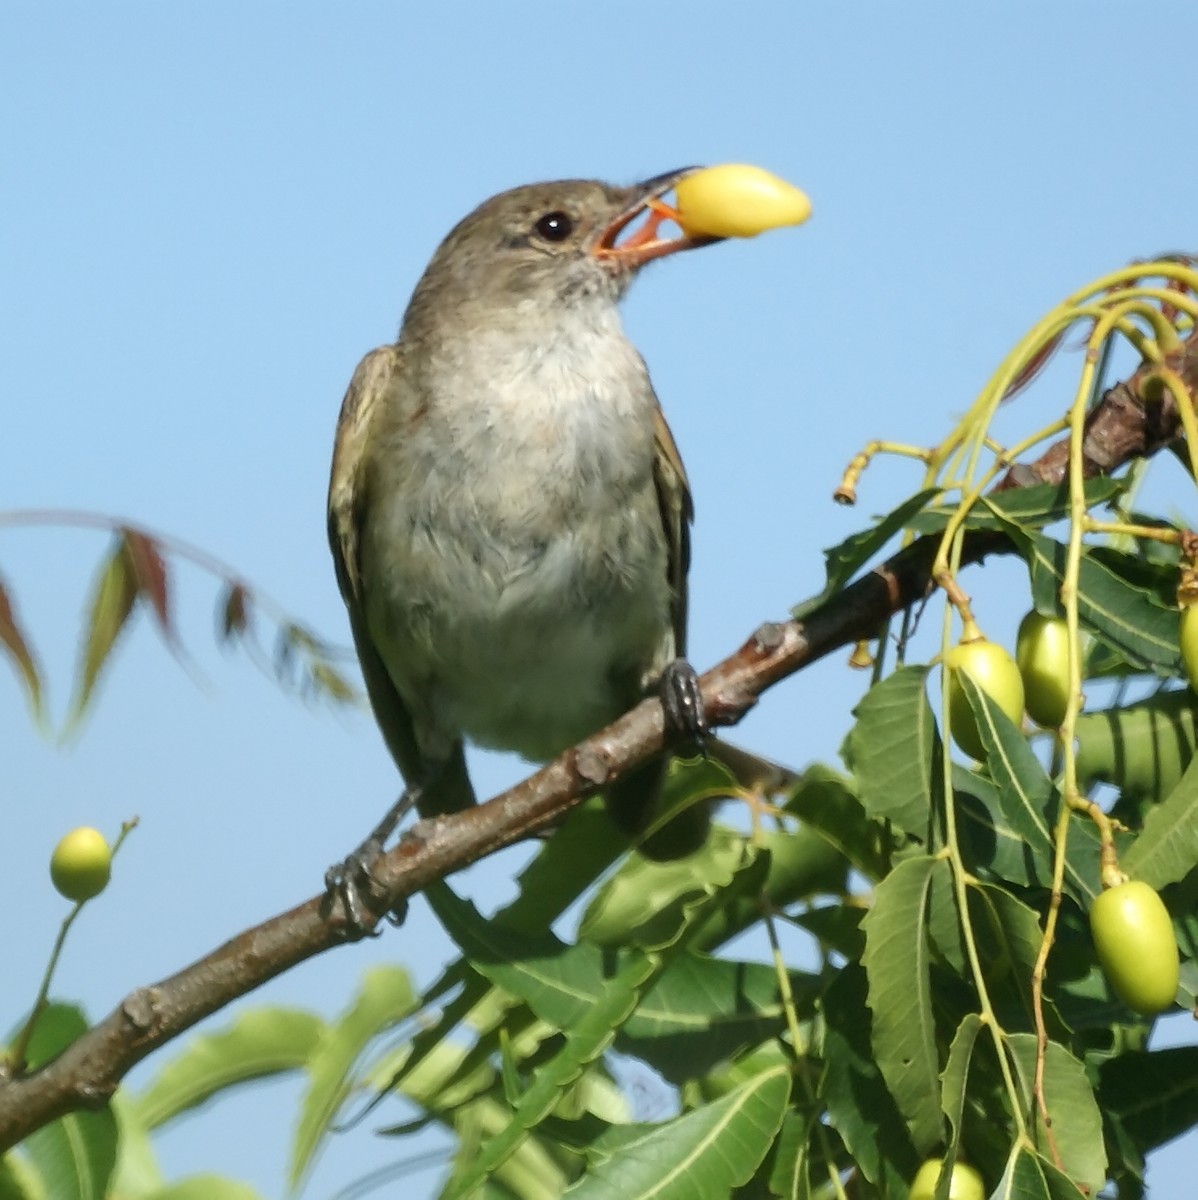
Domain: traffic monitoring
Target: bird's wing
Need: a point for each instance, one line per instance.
(349, 492)
(677, 511)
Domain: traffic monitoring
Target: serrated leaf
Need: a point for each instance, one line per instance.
(704, 1010)
(16, 645)
(587, 1038)
(1029, 800)
(860, 1106)
(894, 752)
(1025, 507)
(113, 597)
(260, 1042)
(1130, 619)
(1151, 1094)
(1076, 1121)
(1167, 847)
(384, 997)
(842, 562)
(1009, 938)
(703, 1155)
(1030, 1177)
(896, 961)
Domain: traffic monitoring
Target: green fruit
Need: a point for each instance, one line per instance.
(1136, 947)
(1042, 652)
(1188, 639)
(994, 672)
(965, 1183)
(81, 864)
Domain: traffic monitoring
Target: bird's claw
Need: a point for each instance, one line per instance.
(682, 701)
(350, 883)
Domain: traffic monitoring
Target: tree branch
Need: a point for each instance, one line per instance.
(1133, 419)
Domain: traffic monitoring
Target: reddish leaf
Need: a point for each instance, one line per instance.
(153, 582)
(13, 640)
(234, 612)
(115, 594)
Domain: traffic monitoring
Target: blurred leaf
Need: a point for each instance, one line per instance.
(260, 1042)
(13, 640)
(1167, 847)
(827, 802)
(152, 579)
(1142, 749)
(896, 960)
(894, 750)
(18, 1179)
(234, 611)
(1151, 1094)
(75, 1155)
(1030, 1177)
(859, 1104)
(113, 597)
(842, 562)
(702, 1155)
(384, 997)
(204, 1187)
(1076, 1121)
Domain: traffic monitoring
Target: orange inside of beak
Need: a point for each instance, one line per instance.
(645, 242)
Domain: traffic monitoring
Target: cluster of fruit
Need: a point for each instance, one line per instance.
(1133, 934)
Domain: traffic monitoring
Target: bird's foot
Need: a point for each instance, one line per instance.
(682, 700)
(351, 882)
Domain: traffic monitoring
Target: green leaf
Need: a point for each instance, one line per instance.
(16, 645)
(827, 802)
(702, 1155)
(843, 561)
(1029, 799)
(1076, 1121)
(385, 997)
(645, 902)
(1009, 938)
(896, 960)
(1151, 1094)
(1143, 749)
(1112, 602)
(113, 597)
(204, 1187)
(704, 1010)
(860, 1106)
(954, 1079)
(75, 1155)
(1167, 847)
(894, 752)
(585, 1039)
(260, 1042)
(18, 1179)
(1030, 1177)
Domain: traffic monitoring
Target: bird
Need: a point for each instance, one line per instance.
(508, 512)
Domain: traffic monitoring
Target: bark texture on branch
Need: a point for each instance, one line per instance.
(1133, 419)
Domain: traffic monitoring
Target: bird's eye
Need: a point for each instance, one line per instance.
(555, 227)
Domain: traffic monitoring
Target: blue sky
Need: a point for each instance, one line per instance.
(212, 211)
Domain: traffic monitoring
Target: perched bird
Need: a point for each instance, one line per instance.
(508, 513)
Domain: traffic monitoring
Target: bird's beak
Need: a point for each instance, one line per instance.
(645, 243)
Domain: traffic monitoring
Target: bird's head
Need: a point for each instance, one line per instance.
(548, 244)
